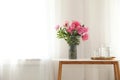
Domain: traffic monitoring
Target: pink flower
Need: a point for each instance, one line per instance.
(75, 23)
(85, 37)
(72, 26)
(57, 27)
(77, 28)
(85, 29)
(69, 30)
(66, 24)
(80, 30)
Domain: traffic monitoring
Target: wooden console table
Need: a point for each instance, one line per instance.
(115, 64)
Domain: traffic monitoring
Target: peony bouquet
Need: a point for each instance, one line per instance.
(72, 32)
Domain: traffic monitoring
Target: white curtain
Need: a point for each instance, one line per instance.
(114, 24)
(28, 40)
(23, 29)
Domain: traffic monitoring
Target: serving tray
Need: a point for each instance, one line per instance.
(103, 58)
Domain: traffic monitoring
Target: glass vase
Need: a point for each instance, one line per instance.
(72, 51)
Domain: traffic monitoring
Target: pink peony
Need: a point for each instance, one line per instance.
(80, 30)
(57, 27)
(75, 23)
(72, 26)
(66, 24)
(85, 29)
(69, 30)
(77, 28)
(85, 37)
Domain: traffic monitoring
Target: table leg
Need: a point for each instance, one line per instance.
(60, 71)
(116, 71)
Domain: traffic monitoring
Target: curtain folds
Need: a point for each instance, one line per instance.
(26, 40)
(27, 34)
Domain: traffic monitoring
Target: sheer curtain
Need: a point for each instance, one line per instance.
(23, 29)
(114, 24)
(26, 39)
